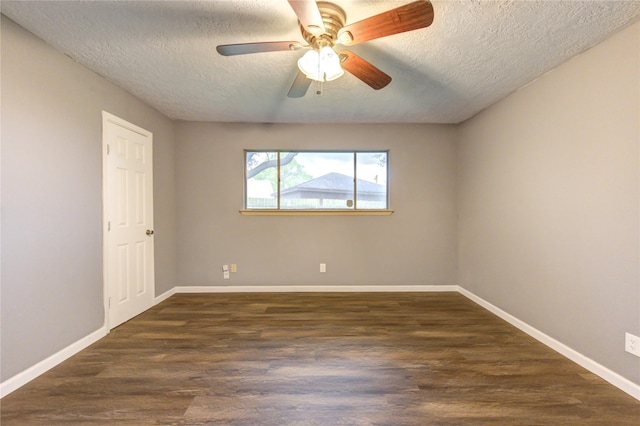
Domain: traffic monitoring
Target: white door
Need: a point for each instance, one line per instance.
(128, 217)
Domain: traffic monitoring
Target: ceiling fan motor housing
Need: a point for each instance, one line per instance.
(334, 18)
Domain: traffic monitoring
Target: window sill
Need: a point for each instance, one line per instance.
(274, 212)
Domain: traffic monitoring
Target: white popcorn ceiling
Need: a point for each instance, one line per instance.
(474, 54)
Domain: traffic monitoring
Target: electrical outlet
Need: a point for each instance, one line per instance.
(234, 268)
(225, 272)
(323, 267)
(632, 344)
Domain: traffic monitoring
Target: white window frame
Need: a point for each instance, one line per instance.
(278, 211)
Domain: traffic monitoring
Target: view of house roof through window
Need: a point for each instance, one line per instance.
(306, 180)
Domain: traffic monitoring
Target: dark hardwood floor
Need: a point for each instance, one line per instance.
(319, 359)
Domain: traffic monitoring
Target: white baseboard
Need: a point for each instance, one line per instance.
(610, 376)
(164, 296)
(47, 364)
(315, 288)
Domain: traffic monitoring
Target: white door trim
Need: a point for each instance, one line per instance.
(110, 118)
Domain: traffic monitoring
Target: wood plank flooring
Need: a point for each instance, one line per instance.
(318, 359)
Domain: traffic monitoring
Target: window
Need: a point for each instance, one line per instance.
(316, 180)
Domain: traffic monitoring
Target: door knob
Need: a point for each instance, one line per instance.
(149, 231)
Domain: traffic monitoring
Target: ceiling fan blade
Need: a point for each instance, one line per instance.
(364, 70)
(269, 46)
(300, 86)
(308, 15)
(412, 16)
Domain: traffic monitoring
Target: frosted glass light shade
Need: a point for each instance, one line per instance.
(330, 63)
(308, 64)
(321, 66)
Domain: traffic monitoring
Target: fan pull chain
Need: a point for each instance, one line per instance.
(321, 74)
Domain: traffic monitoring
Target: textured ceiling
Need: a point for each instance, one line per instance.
(474, 53)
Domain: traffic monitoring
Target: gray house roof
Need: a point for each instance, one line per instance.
(334, 185)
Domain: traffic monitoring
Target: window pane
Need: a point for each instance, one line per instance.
(261, 180)
(371, 186)
(316, 180)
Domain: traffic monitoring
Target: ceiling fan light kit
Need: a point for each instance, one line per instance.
(321, 66)
(322, 25)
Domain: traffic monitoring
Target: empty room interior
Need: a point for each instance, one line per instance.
(496, 280)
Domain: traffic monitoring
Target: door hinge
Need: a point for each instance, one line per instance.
(109, 226)
(107, 149)
(109, 303)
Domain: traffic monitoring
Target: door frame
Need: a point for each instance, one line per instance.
(110, 118)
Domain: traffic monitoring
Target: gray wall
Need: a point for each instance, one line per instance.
(52, 289)
(416, 245)
(548, 198)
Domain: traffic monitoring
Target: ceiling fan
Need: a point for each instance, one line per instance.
(323, 26)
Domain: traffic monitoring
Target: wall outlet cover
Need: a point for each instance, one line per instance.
(632, 344)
